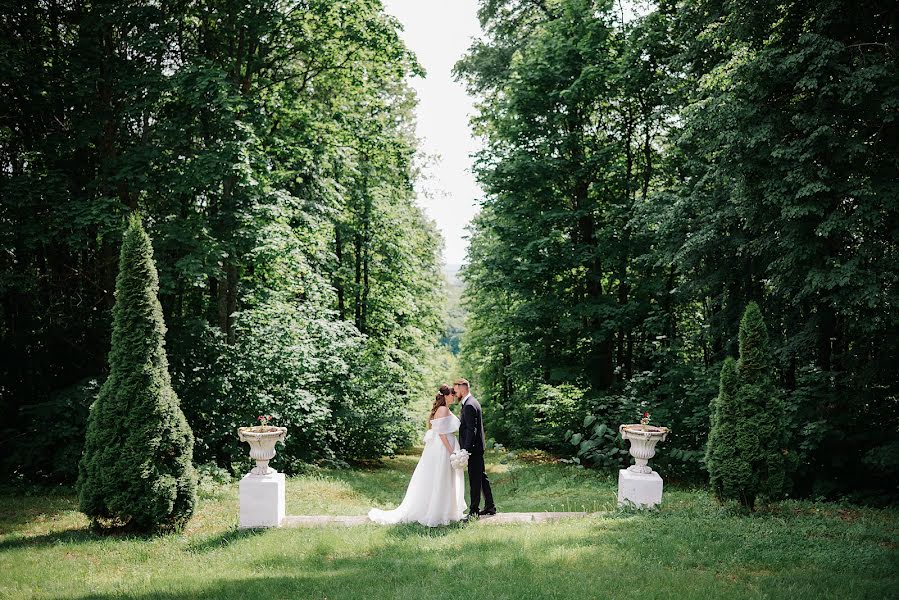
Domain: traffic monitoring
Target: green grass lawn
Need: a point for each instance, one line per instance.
(690, 548)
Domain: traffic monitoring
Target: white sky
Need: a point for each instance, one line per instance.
(439, 32)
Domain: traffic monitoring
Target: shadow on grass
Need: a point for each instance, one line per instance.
(19, 510)
(69, 536)
(712, 557)
(222, 540)
(414, 530)
(82, 535)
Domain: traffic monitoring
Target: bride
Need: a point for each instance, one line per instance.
(436, 494)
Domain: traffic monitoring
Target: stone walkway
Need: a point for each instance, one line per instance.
(497, 519)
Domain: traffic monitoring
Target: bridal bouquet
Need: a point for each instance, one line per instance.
(459, 459)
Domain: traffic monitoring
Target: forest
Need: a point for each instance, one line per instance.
(270, 149)
(646, 178)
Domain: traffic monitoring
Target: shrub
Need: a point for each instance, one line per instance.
(728, 450)
(211, 479)
(54, 429)
(311, 372)
(136, 470)
(550, 412)
(675, 395)
(746, 453)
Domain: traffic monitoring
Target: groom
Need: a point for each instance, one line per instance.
(471, 438)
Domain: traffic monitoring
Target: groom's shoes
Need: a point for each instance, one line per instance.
(487, 512)
(470, 516)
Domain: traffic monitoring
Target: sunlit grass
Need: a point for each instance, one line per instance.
(690, 548)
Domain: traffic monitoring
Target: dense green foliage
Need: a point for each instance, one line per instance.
(748, 448)
(269, 146)
(790, 197)
(646, 179)
(137, 469)
(727, 469)
(454, 325)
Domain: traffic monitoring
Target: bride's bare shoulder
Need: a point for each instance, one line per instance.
(442, 411)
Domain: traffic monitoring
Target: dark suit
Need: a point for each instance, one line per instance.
(472, 438)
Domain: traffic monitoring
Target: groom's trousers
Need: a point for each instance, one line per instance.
(477, 481)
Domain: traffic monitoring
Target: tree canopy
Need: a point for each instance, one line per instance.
(648, 177)
(270, 147)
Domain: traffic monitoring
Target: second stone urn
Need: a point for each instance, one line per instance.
(643, 440)
(262, 440)
(262, 490)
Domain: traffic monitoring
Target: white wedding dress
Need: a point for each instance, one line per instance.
(436, 492)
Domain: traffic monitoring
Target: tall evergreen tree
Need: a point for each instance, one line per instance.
(759, 397)
(726, 468)
(746, 449)
(137, 468)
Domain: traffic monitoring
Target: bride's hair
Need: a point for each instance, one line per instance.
(439, 400)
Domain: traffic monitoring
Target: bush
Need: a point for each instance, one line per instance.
(550, 411)
(136, 470)
(675, 396)
(211, 479)
(55, 430)
(311, 372)
(746, 454)
(727, 457)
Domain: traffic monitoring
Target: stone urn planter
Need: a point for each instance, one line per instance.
(643, 440)
(262, 440)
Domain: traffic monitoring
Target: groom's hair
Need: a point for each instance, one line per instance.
(462, 382)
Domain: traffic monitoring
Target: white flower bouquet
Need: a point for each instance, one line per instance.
(459, 459)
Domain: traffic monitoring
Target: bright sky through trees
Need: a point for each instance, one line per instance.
(439, 33)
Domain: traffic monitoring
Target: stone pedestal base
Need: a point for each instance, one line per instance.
(262, 502)
(638, 489)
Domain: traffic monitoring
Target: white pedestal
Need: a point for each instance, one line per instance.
(262, 502)
(641, 490)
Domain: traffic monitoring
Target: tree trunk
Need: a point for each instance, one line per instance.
(338, 280)
(357, 239)
(366, 252)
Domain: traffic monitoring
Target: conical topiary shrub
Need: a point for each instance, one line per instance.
(727, 467)
(137, 471)
(745, 455)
